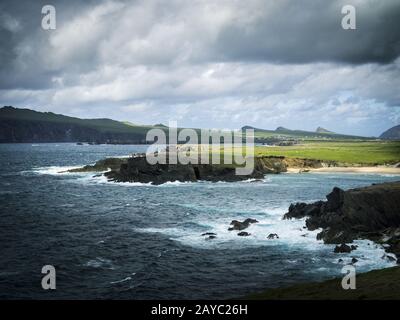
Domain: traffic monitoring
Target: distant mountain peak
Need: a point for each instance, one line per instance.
(282, 129)
(322, 130)
(391, 134)
(247, 127)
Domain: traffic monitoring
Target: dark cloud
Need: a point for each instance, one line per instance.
(206, 63)
(310, 31)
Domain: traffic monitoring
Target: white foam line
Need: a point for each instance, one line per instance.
(120, 281)
(290, 232)
(54, 170)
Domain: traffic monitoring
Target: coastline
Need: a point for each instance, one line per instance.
(345, 216)
(362, 170)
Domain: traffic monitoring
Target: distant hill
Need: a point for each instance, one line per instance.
(322, 130)
(25, 125)
(391, 134)
(282, 133)
(280, 129)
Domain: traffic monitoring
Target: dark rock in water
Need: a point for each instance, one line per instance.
(343, 248)
(273, 236)
(301, 210)
(250, 220)
(363, 213)
(209, 234)
(238, 225)
(340, 260)
(333, 235)
(353, 247)
(243, 234)
(211, 237)
(139, 170)
(354, 260)
(388, 258)
(79, 144)
(102, 165)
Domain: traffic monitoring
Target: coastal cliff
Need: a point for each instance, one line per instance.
(371, 212)
(137, 169)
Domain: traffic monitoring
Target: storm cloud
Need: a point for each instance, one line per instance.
(207, 63)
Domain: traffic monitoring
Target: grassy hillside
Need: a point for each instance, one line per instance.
(284, 133)
(102, 125)
(377, 284)
(24, 125)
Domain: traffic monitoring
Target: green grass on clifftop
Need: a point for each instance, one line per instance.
(360, 152)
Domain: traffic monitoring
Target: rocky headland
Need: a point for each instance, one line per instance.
(137, 169)
(371, 212)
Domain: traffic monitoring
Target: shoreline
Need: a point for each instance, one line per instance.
(365, 170)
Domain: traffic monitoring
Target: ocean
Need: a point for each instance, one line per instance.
(111, 240)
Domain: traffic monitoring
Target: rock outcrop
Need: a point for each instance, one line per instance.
(137, 169)
(371, 212)
(344, 248)
(102, 165)
(238, 225)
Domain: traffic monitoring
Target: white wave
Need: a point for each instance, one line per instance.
(176, 183)
(369, 256)
(54, 170)
(99, 262)
(291, 234)
(122, 280)
(389, 175)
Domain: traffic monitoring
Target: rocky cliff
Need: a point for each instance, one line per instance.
(137, 169)
(371, 212)
(24, 125)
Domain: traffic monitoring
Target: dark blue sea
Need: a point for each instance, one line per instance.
(136, 241)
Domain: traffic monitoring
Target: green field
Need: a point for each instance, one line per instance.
(360, 152)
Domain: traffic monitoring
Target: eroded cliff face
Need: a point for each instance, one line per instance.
(137, 169)
(371, 212)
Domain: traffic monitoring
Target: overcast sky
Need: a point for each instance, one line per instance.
(211, 64)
